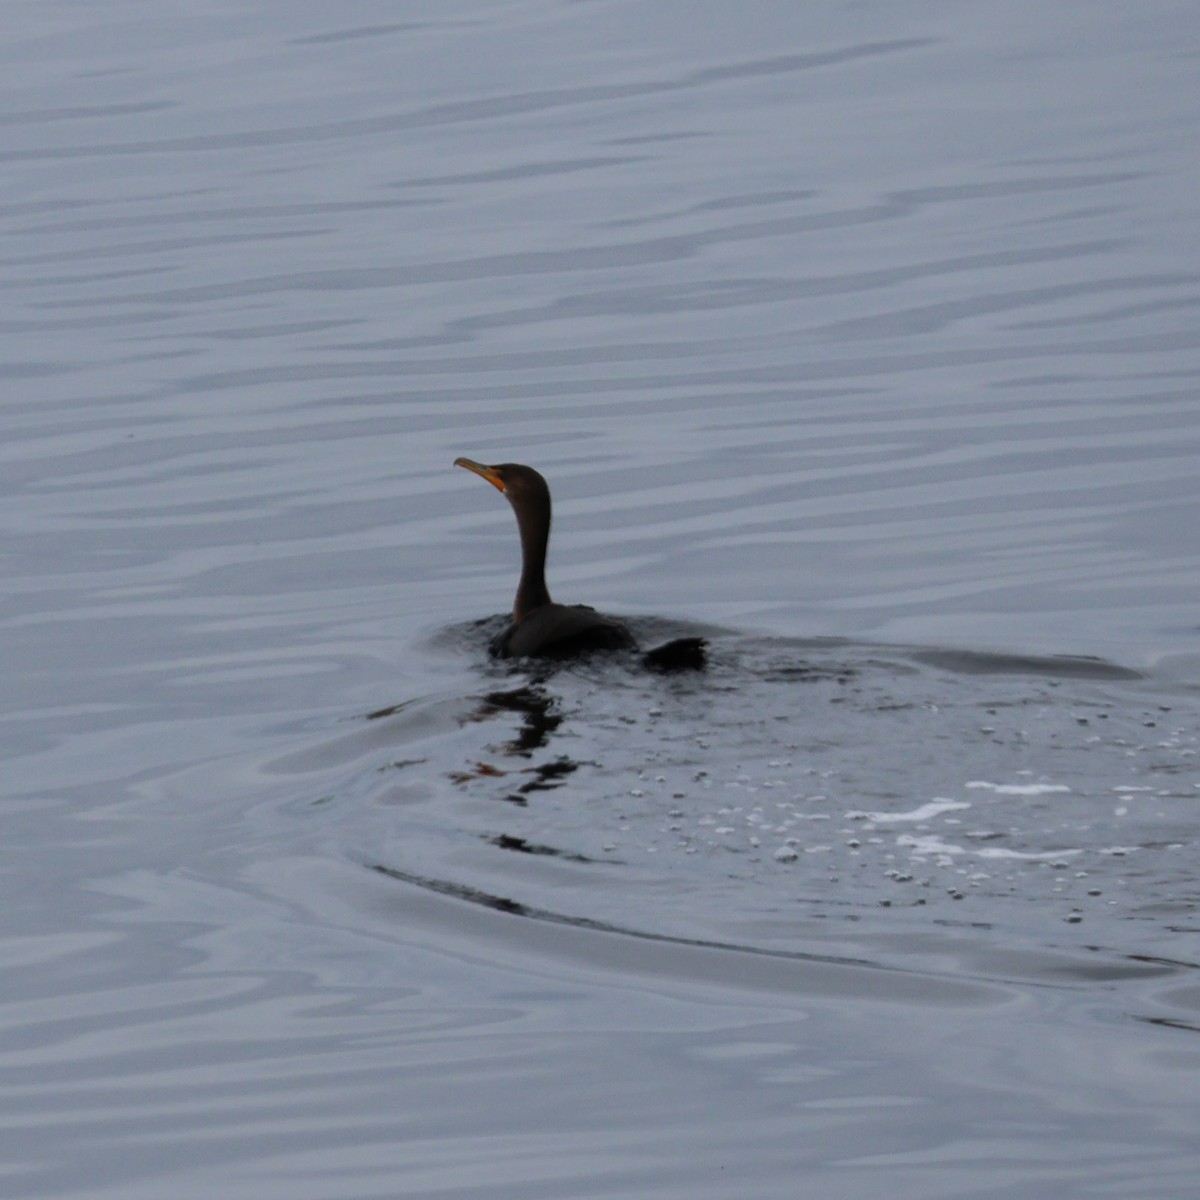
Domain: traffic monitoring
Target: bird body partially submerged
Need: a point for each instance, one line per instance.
(562, 631)
(539, 626)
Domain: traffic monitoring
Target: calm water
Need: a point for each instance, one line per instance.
(861, 337)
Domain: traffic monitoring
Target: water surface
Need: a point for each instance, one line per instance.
(859, 337)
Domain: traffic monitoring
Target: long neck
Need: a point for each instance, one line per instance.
(533, 521)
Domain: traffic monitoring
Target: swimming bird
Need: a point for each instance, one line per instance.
(540, 627)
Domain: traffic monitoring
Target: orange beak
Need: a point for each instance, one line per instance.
(488, 473)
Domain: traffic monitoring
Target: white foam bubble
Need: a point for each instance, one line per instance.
(926, 812)
(931, 844)
(1019, 789)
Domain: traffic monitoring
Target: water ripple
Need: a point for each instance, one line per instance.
(861, 340)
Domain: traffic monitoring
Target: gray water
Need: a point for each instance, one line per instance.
(859, 338)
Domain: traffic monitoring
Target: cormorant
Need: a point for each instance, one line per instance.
(539, 626)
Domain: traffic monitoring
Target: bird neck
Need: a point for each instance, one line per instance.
(534, 525)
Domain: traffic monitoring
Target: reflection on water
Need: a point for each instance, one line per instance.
(859, 340)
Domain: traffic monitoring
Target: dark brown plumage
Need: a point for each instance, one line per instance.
(541, 627)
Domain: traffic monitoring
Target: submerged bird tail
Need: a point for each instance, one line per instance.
(681, 654)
